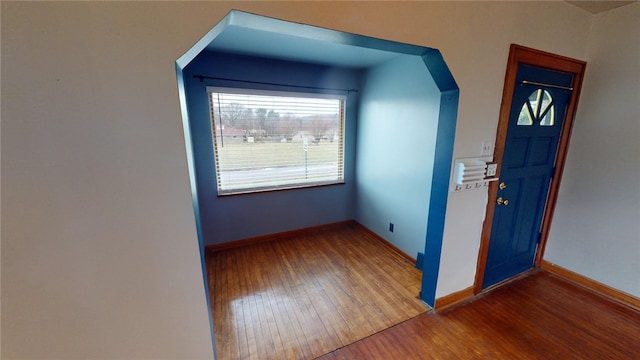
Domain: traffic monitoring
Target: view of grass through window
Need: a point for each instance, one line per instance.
(276, 140)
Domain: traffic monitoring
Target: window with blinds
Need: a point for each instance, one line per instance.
(270, 140)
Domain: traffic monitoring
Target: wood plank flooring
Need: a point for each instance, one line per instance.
(537, 317)
(341, 294)
(304, 296)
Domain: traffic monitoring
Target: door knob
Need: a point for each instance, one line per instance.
(502, 201)
(502, 186)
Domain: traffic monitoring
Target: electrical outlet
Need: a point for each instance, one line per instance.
(391, 227)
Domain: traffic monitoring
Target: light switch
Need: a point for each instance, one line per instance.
(492, 168)
(487, 147)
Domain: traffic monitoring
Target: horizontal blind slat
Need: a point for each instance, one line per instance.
(270, 141)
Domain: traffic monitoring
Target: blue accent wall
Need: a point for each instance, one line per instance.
(446, 132)
(229, 218)
(396, 143)
(194, 191)
(439, 193)
(405, 121)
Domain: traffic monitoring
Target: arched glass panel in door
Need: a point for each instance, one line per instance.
(539, 108)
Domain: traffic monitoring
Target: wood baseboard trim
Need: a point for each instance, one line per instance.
(453, 299)
(593, 286)
(510, 280)
(276, 236)
(386, 243)
(303, 231)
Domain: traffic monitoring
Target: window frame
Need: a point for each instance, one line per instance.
(281, 184)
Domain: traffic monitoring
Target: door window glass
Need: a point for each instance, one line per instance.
(538, 107)
(525, 117)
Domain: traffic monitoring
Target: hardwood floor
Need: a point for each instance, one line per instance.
(304, 296)
(537, 317)
(341, 294)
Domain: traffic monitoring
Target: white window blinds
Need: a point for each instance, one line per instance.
(267, 140)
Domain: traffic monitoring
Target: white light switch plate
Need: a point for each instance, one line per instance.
(487, 147)
(492, 169)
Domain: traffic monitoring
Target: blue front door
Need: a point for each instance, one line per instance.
(538, 109)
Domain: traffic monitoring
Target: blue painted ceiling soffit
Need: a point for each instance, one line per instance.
(254, 35)
(440, 71)
(239, 40)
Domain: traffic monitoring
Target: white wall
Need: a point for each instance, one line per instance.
(596, 229)
(99, 253)
(474, 39)
(100, 256)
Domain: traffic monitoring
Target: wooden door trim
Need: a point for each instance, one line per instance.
(523, 55)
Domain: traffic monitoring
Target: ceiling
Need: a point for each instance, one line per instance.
(289, 46)
(252, 35)
(596, 7)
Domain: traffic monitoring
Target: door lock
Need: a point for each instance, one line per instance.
(502, 201)
(502, 186)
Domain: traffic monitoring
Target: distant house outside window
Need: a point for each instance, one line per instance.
(271, 140)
